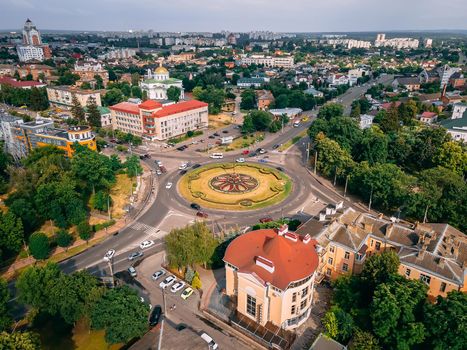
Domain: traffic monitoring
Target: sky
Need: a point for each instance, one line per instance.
(236, 15)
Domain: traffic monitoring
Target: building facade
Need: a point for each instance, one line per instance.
(32, 48)
(62, 96)
(270, 276)
(268, 61)
(158, 82)
(396, 43)
(87, 70)
(155, 121)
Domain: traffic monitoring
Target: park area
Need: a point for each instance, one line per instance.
(231, 186)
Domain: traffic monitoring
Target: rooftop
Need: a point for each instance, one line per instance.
(179, 108)
(126, 107)
(20, 84)
(274, 258)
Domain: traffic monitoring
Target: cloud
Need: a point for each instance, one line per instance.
(237, 15)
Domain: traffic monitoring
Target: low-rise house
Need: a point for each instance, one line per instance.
(409, 83)
(87, 70)
(457, 80)
(315, 93)
(62, 96)
(264, 98)
(323, 342)
(36, 70)
(250, 82)
(458, 110)
(457, 127)
(428, 117)
(338, 79)
(366, 121)
(20, 84)
(270, 276)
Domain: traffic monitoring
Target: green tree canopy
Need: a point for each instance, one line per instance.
(39, 245)
(93, 114)
(20, 341)
(5, 316)
(173, 93)
(76, 109)
(331, 110)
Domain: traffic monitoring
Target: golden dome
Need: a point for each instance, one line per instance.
(161, 70)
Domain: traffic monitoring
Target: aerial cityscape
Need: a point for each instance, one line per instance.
(242, 175)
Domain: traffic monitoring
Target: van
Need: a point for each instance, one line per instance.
(296, 124)
(132, 271)
(211, 343)
(217, 155)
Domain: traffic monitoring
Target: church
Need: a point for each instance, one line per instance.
(158, 82)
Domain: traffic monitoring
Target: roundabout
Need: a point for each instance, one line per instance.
(237, 187)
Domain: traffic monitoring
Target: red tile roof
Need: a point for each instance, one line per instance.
(126, 107)
(292, 260)
(179, 107)
(388, 105)
(428, 114)
(150, 104)
(20, 84)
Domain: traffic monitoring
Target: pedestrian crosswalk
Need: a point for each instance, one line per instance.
(149, 230)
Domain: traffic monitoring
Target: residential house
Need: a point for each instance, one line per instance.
(409, 83)
(457, 127)
(264, 99)
(428, 117)
(457, 80)
(62, 96)
(322, 342)
(315, 93)
(458, 110)
(20, 84)
(250, 82)
(366, 121)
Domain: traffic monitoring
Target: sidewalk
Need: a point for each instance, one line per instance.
(61, 254)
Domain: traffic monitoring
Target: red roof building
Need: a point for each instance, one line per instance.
(19, 84)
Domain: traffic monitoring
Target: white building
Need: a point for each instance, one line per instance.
(338, 79)
(396, 43)
(458, 110)
(268, 61)
(123, 53)
(62, 96)
(155, 121)
(445, 74)
(32, 48)
(158, 82)
(30, 53)
(366, 121)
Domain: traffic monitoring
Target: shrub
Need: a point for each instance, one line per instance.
(63, 238)
(246, 202)
(196, 282)
(84, 230)
(39, 246)
(199, 194)
(189, 274)
(98, 227)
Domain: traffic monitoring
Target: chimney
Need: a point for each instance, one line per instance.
(283, 230)
(389, 229)
(441, 262)
(367, 227)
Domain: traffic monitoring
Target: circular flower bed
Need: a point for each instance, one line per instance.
(233, 183)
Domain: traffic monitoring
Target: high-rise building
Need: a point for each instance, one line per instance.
(32, 49)
(31, 35)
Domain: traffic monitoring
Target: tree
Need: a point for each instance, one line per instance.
(330, 325)
(261, 120)
(428, 142)
(101, 200)
(281, 101)
(394, 312)
(356, 111)
(338, 324)
(318, 126)
(5, 317)
(445, 322)
(196, 282)
(331, 110)
(135, 77)
(39, 246)
(77, 110)
(20, 341)
(363, 340)
(63, 239)
(11, 233)
(38, 100)
(136, 92)
(213, 96)
(93, 113)
(378, 269)
(121, 314)
(173, 93)
(248, 99)
(248, 126)
(99, 82)
(453, 156)
(373, 146)
(113, 96)
(345, 131)
(332, 159)
(133, 166)
(84, 231)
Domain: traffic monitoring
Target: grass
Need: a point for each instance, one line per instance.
(86, 339)
(292, 142)
(219, 121)
(120, 194)
(240, 142)
(261, 197)
(185, 137)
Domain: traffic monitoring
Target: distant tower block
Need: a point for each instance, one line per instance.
(31, 35)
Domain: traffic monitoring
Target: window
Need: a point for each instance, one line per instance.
(331, 249)
(378, 245)
(294, 297)
(345, 267)
(371, 243)
(330, 261)
(292, 309)
(424, 278)
(407, 272)
(251, 305)
(442, 288)
(304, 292)
(303, 304)
(328, 272)
(347, 255)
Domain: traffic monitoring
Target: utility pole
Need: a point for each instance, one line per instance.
(308, 154)
(316, 160)
(345, 187)
(371, 197)
(111, 272)
(159, 345)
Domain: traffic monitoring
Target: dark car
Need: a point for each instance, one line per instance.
(196, 166)
(225, 131)
(183, 172)
(195, 206)
(211, 136)
(163, 169)
(180, 148)
(280, 169)
(263, 220)
(275, 146)
(252, 154)
(202, 214)
(216, 134)
(155, 316)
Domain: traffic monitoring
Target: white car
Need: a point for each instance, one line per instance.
(146, 244)
(240, 160)
(183, 166)
(168, 186)
(211, 343)
(109, 255)
(177, 286)
(157, 274)
(167, 282)
(262, 151)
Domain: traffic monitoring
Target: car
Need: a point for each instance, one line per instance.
(275, 146)
(280, 168)
(225, 131)
(262, 151)
(180, 148)
(135, 255)
(195, 206)
(240, 160)
(263, 160)
(252, 154)
(146, 244)
(186, 293)
(183, 166)
(237, 127)
(245, 152)
(167, 282)
(211, 137)
(183, 172)
(132, 271)
(266, 219)
(158, 274)
(168, 185)
(109, 255)
(158, 172)
(155, 316)
(216, 134)
(163, 169)
(211, 343)
(202, 214)
(177, 286)
(196, 166)
(158, 162)
(202, 140)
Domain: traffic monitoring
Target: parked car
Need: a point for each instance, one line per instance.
(158, 274)
(183, 172)
(211, 343)
(195, 206)
(240, 160)
(168, 185)
(280, 168)
(155, 315)
(183, 166)
(275, 146)
(135, 255)
(186, 293)
(196, 166)
(202, 214)
(245, 152)
(253, 154)
(211, 137)
(262, 151)
(216, 134)
(163, 169)
(177, 286)
(146, 244)
(158, 162)
(263, 220)
(158, 172)
(109, 255)
(167, 282)
(132, 271)
(225, 131)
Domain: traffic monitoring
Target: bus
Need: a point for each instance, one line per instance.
(217, 156)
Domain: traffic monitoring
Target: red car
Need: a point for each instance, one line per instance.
(263, 220)
(202, 214)
(245, 152)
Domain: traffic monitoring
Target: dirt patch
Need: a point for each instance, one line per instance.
(219, 121)
(120, 194)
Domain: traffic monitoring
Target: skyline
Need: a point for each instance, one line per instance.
(205, 15)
